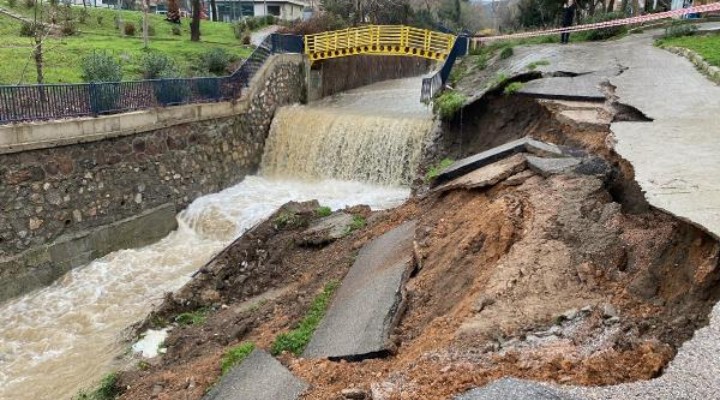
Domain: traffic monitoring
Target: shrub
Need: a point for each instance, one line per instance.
(29, 3)
(481, 61)
(252, 23)
(12, 3)
(68, 28)
(151, 30)
(448, 104)
(296, 340)
(269, 20)
(99, 19)
(208, 88)
(238, 29)
(129, 29)
(157, 65)
(246, 39)
(512, 88)
(680, 29)
(606, 33)
(84, 14)
(176, 30)
(215, 60)
(101, 67)
(236, 355)
(318, 23)
(29, 29)
(436, 169)
(169, 91)
(506, 52)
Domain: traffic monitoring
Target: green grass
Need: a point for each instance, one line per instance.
(196, 317)
(323, 211)
(512, 88)
(296, 340)
(533, 65)
(107, 390)
(506, 52)
(449, 103)
(707, 46)
(358, 222)
(436, 169)
(63, 54)
(235, 356)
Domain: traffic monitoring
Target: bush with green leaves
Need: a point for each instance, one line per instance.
(171, 91)
(215, 60)
(323, 211)
(448, 104)
(29, 3)
(129, 29)
(158, 65)
(176, 30)
(680, 29)
(68, 28)
(99, 19)
(12, 3)
(29, 29)
(101, 67)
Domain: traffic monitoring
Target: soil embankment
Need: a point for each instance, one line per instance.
(567, 277)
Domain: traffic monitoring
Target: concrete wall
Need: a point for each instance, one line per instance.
(63, 183)
(332, 76)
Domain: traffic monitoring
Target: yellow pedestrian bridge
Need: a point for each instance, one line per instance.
(395, 40)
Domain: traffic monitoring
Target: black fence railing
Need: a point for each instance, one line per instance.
(434, 84)
(55, 101)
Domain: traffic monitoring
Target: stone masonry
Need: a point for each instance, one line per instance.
(50, 194)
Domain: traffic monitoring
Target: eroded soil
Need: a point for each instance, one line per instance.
(569, 278)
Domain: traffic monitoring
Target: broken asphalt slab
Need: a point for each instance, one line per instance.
(486, 176)
(514, 389)
(327, 229)
(367, 306)
(468, 164)
(551, 166)
(258, 377)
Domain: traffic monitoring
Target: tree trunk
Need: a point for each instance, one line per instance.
(145, 23)
(213, 10)
(195, 24)
(610, 6)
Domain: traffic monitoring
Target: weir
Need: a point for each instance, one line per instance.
(361, 147)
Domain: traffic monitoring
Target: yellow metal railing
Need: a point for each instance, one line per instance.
(379, 39)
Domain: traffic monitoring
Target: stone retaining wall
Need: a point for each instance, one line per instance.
(55, 196)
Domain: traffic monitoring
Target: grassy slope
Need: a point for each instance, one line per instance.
(707, 46)
(63, 55)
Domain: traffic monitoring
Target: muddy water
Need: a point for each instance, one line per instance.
(62, 338)
(350, 137)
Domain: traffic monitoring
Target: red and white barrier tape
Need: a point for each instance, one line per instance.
(607, 24)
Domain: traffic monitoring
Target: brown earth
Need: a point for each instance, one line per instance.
(571, 279)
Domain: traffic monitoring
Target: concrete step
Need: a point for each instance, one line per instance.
(367, 306)
(258, 377)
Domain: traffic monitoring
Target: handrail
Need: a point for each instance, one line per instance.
(380, 40)
(434, 85)
(55, 101)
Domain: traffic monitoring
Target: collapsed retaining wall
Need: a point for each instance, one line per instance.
(339, 74)
(69, 193)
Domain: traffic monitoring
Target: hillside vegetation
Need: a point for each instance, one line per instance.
(99, 30)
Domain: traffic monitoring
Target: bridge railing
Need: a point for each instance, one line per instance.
(55, 101)
(433, 85)
(379, 39)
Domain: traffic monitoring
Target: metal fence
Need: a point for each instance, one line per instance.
(54, 101)
(434, 84)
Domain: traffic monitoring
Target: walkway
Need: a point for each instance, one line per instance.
(677, 164)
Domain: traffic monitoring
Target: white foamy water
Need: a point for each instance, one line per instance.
(59, 339)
